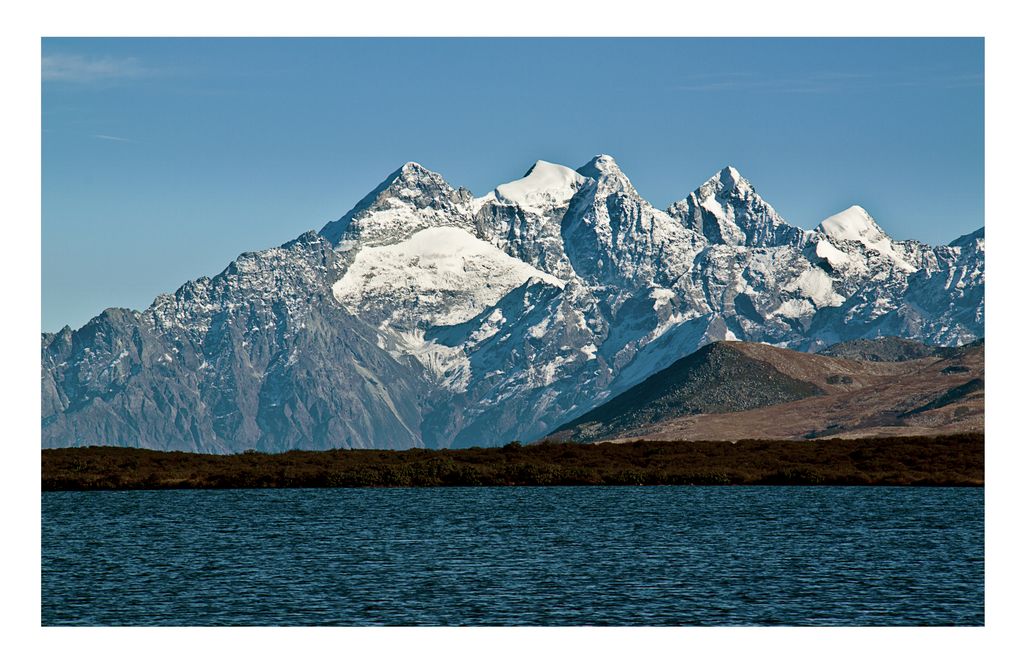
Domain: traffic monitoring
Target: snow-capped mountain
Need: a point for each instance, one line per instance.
(426, 316)
(727, 210)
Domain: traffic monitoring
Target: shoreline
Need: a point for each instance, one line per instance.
(939, 461)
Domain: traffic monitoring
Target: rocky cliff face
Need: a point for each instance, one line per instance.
(726, 210)
(429, 317)
(260, 356)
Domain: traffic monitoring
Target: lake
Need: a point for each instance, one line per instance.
(515, 556)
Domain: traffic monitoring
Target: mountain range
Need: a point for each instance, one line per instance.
(429, 317)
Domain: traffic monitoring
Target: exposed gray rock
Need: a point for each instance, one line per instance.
(727, 210)
(259, 356)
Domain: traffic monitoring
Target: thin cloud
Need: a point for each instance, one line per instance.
(964, 81)
(822, 82)
(71, 68)
(743, 81)
(109, 137)
(776, 85)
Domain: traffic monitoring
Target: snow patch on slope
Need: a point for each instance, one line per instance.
(440, 276)
(836, 257)
(816, 285)
(449, 366)
(662, 298)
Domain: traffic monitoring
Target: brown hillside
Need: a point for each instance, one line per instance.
(923, 396)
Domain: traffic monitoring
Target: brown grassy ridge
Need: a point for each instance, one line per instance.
(949, 460)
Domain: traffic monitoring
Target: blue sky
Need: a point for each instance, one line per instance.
(163, 159)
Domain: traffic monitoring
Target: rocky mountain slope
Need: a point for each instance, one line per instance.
(260, 356)
(735, 390)
(887, 349)
(426, 316)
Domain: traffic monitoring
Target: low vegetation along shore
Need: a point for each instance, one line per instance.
(952, 460)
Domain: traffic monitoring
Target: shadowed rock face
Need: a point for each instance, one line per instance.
(567, 288)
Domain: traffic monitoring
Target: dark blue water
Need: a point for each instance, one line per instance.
(511, 556)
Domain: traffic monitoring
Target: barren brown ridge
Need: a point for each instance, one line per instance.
(706, 396)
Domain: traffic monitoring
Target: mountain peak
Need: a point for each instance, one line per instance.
(545, 184)
(411, 172)
(853, 223)
(730, 177)
(728, 180)
(600, 165)
(541, 167)
(727, 210)
(411, 197)
(608, 176)
(969, 239)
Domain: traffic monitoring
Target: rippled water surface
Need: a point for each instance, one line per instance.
(497, 556)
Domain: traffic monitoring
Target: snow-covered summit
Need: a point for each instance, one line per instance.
(614, 236)
(409, 199)
(524, 217)
(855, 225)
(600, 165)
(730, 180)
(544, 186)
(727, 209)
(605, 171)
